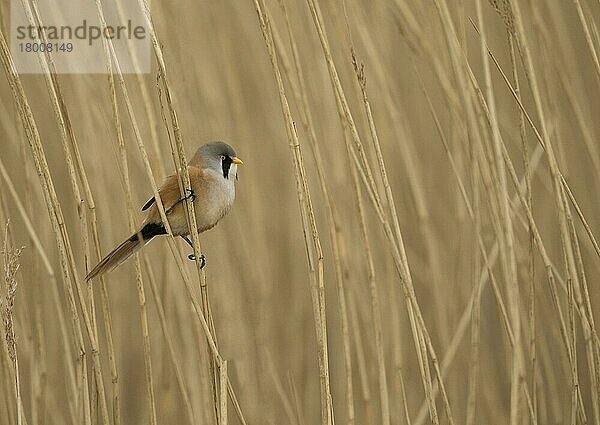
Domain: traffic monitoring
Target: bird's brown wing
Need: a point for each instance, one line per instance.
(170, 195)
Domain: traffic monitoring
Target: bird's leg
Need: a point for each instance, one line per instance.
(192, 257)
(191, 196)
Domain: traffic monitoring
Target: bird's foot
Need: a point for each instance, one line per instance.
(191, 196)
(192, 257)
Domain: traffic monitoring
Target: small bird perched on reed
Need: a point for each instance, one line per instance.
(212, 171)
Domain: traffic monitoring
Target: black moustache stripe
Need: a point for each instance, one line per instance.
(226, 165)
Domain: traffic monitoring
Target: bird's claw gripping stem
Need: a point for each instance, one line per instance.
(191, 195)
(192, 257)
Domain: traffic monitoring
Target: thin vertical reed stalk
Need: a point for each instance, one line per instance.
(420, 333)
(7, 304)
(304, 197)
(507, 236)
(376, 311)
(169, 340)
(360, 353)
(588, 38)
(531, 267)
(299, 91)
(70, 274)
(74, 166)
(489, 259)
(569, 259)
(123, 166)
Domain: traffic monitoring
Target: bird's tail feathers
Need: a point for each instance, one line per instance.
(126, 249)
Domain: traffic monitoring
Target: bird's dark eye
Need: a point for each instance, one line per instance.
(222, 157)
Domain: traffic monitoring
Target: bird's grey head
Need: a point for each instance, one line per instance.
(217, 156)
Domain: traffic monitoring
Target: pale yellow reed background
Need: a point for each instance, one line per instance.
(257, 274)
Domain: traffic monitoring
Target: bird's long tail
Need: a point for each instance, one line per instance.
(126, 249)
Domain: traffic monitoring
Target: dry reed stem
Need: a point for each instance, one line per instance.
(70, 274)
(32, 233)
(310, 231)
(570, 260)
(7, 305)
(116, 410)
(558, 180)
(75, 168)
(588, 327)
(169, 340)
(588, 38)
(69, 142)
(586, 131)
(539, 136)
(40, 387)
(343, 105)
(580, 214)
(404, 401)
(420, 334)
(507, 241)
(360, 352)
(376, 310)
(8, 388)
(415, 178)
(124, 168)
(157, 164)
(299, 91)
(549, 267)
(223, 378)
(489, 260)
(528, 179)
(39, 406)
(410, 27)
(475, 353)
(366, 177)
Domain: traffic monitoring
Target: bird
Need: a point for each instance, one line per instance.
(213, 172)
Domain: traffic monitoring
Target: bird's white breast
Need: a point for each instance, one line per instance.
(220, 194)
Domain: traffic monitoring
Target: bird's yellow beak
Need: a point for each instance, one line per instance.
(236, 160)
